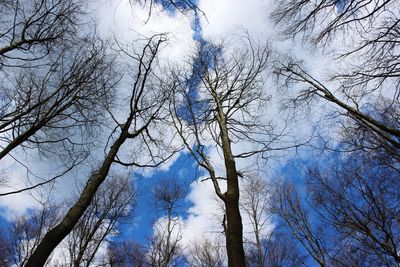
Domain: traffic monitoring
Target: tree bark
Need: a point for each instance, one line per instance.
(234, 228)
(234, 234)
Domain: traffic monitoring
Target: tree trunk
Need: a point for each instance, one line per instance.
(258, 240)
(234, 233)
(59, 232)
(234, 228)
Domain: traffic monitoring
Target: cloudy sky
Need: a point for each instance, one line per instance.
(223, 20)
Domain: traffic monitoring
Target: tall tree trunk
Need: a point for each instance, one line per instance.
(61, 230)
(234, 227)
(234, 234)
(258, 240)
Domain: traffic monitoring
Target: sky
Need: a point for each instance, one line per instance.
(127, 22)
(223, 19)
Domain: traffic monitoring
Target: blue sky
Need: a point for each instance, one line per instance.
(138, 227)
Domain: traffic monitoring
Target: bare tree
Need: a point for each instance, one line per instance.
(26, 232)
(376, 128)
(110, 204)
(127, 253)
(360, 199)
(55, 106)
(216, 105)
(255, 202)
(165, 248)
(280, 250)
(31, 31)
(288, 205)
(143, 111)
(369, 32)
(365, 87)
(4, 249)
(56, 81)
(206, 252)
(350, 215)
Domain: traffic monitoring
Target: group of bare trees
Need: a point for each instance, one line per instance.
(61, 89)
(145, 103)
(111, 203)
(164, 247)
(349, 213)
(55, 80)
(58, 93)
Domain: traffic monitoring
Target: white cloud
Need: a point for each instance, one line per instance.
(225, 17)
(127, 21)
(205, 216)
(31, 169)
